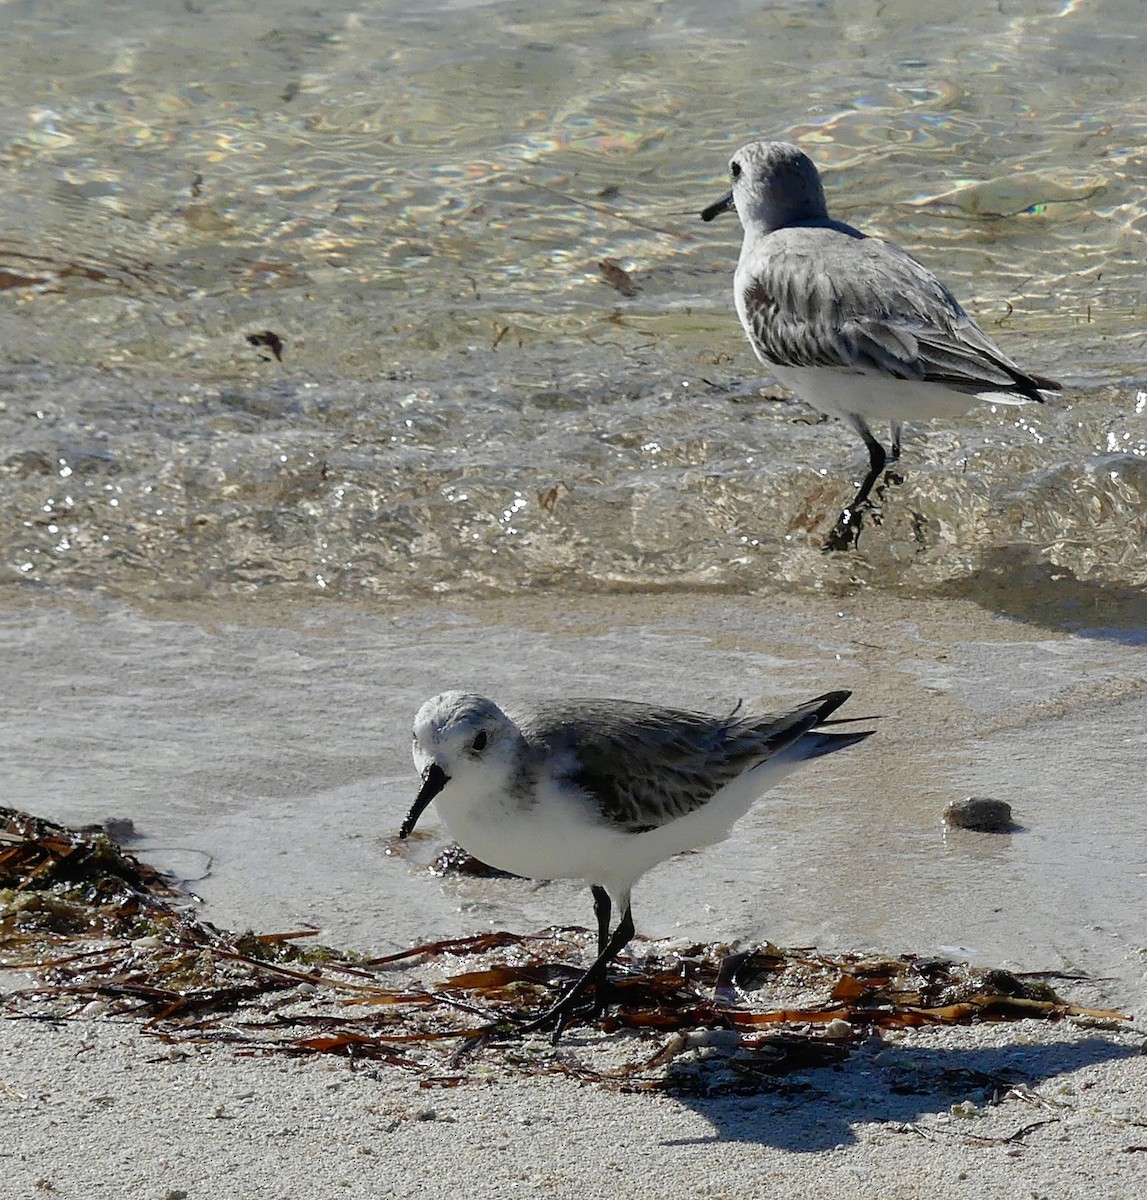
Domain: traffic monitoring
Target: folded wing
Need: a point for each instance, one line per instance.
(646, 765)
(875, 311)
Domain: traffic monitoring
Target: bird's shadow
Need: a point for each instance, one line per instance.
(891, 1084)
(1016, 581)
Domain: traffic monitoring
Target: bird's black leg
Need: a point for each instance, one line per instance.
(894, 450)
(847, 528)
(876, 460)
(602, 907)
(569, 1005)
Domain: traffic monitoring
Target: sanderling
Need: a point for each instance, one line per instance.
(852, 324)
(601, 790)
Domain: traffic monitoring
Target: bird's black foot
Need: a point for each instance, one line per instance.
(557, 1019)
(845, 534)
(573, 1006)
(593, 983)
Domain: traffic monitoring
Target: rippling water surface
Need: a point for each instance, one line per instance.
(417, 200)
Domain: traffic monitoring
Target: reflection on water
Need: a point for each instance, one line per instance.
(418, 200)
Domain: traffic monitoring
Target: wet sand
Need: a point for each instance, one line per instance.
(265, 759)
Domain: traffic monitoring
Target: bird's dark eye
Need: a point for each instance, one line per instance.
(479, 743)
(735, 169)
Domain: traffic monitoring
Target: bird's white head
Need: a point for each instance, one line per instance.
(775, 185)
(463, 740)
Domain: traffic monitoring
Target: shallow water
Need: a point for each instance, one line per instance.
(469, 414)
(417, 201)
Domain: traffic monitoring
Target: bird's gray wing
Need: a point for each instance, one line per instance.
(818, 297)
(646, 765)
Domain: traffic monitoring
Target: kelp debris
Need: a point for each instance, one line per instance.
(102, 933)
(270, 339)
(618, 277)
(451, 859)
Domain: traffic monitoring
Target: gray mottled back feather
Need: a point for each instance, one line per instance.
(646, 765)
(824, 295)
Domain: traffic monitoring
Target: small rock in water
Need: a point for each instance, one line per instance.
(120, 829)
(980, 812)
(116, 829)
(453, 860)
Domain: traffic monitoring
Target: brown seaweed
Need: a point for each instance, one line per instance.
(618, 277)
(101, 932)
(271, 340)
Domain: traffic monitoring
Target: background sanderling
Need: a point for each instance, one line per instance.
(852, 324)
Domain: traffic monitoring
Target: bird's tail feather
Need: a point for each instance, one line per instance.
(814, 745)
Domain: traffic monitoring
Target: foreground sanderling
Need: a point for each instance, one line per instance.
(852, 324)
(601, 790)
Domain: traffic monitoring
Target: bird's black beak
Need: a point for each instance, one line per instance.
(433, 782)
(716, 209)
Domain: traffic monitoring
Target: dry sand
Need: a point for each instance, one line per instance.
(99, 1111)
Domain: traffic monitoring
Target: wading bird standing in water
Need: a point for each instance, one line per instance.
(852, 324)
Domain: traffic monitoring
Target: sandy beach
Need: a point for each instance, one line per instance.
(99, 1111)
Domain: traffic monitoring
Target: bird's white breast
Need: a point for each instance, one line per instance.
(559, 833)
(877, 397)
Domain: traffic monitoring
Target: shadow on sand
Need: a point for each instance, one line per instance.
(891, 1084)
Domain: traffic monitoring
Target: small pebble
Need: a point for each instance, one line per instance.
(894, 1058)
(982, 813)
(723, 1039)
